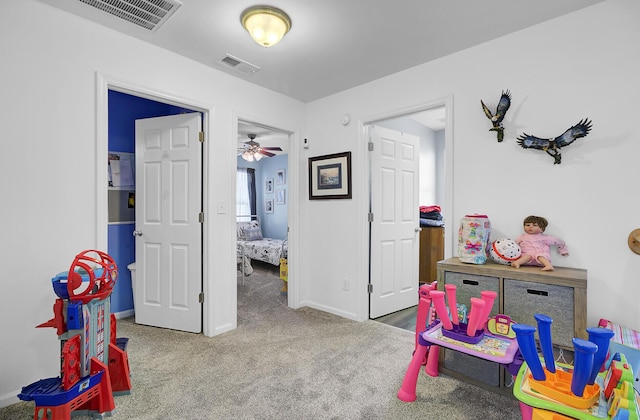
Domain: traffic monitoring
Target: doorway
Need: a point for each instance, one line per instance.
(395, 302)
(273, 197)
(122, 108)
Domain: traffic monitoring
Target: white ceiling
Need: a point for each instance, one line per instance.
(333, 45)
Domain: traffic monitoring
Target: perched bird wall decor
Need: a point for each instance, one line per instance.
(501, 110)
(553, 146)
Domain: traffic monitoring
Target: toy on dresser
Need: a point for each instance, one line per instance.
(535, 245)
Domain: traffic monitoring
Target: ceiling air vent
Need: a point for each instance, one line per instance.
(148, 14)
(240, 65)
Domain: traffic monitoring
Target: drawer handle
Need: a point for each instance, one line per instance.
(537, 292)
(471, 282)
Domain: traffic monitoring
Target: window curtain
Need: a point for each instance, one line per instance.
(246, 193)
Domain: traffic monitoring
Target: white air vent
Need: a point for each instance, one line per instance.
(240, 65)
(148, 14)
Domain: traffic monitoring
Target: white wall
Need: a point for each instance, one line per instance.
(48, 124)
(585, 64)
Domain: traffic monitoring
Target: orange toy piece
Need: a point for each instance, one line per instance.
(558, 387)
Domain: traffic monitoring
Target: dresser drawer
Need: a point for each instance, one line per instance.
(523, 299)
(470, 285)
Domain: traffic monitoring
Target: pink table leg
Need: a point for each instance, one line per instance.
(475, 317)
(489, 297)
(407, 392)
(451, 299)
(437, 297)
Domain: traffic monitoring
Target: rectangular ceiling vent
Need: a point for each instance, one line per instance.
(148, 14)
(239, 65)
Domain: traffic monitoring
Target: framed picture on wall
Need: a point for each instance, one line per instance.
(280, 196)
(268, 205)
(281, 177)
(330, 176)
(268, 185)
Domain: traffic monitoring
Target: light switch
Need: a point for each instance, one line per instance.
(221, 207)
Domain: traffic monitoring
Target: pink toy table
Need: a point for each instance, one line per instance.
(497, 349)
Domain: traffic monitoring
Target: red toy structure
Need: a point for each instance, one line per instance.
(92, 370)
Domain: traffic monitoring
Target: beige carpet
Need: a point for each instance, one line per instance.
(284, 364)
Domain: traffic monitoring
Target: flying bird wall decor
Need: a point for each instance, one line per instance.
(501, 110)
(552, 146)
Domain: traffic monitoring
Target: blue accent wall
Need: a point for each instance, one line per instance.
(274, 225)
(124, 109)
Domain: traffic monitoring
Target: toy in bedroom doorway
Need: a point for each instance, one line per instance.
(95, 365)
(284, 273)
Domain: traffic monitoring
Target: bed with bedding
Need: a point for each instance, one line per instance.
(251, 245)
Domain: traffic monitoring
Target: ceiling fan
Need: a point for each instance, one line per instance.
(253, 151)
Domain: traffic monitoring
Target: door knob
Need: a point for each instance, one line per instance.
(137, 233)
(418, 229)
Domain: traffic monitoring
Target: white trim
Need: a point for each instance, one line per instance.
(292, 201)
(105, 83)
(447, 208)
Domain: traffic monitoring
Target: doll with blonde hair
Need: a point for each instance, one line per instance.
(535, 245)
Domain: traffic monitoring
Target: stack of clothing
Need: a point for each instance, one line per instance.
(431, 216)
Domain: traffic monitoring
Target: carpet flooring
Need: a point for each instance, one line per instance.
(281, 363)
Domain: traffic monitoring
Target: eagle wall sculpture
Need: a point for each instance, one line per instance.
(552, 146)
(501, 110)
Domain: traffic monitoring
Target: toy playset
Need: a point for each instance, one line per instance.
(600, 384)
(94, 362)
(490, 339)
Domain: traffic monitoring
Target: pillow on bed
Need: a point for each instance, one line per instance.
(241, 226)
(253, 233)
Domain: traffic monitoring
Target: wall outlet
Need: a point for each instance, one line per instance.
(345, 284)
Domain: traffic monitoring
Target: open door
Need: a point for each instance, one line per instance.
(395, 226)
(168, 205)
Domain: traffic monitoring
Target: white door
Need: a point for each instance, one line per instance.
(395, 229)
(168, 230)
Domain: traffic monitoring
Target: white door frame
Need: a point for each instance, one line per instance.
(292, 202)
(447, 207)
(103, 85)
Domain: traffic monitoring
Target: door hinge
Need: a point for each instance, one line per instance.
(370, 288)
(370, 145)
(201, 297)
(201, 217)
(201, 136)
(370, 217)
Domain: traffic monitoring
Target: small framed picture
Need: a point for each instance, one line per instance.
(280, 196)
(281, 177)
(330, 176)
(268, 205)
(268, 185)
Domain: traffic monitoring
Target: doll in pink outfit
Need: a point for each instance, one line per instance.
(535, 245)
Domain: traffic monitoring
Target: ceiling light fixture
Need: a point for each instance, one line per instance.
(266, 25)
(252, 153)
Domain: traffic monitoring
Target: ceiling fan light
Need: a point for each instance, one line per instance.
(257, 156)
(247, 156)
(266, 25)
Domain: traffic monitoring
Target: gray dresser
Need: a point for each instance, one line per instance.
(523, 292)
